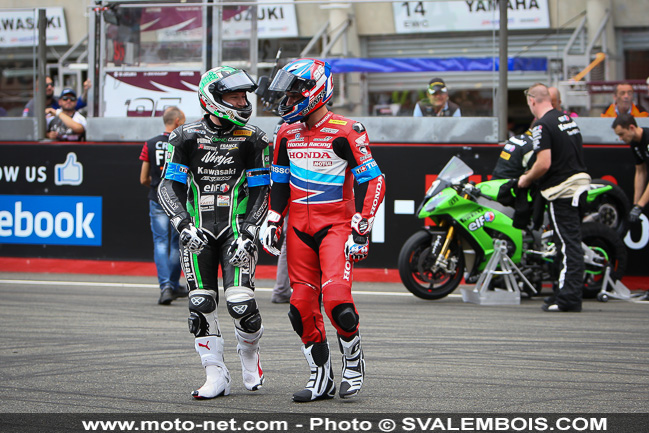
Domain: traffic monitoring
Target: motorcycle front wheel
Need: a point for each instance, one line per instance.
(606, 242)
(416, 268)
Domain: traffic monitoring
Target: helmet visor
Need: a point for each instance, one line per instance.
(286, 82)
(236, 82)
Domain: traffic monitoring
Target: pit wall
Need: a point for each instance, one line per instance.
(84, 201)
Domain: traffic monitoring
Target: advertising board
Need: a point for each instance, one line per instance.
(149, 93)
(470, 15)
(19, 27)
(91, 206)
(73, 201)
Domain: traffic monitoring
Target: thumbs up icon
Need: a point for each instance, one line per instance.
(70, 172)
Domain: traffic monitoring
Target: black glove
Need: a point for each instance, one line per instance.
(242, 251)
(635, 213)
(193, 238)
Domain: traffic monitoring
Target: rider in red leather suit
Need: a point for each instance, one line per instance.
(316, 163)
(322, 206)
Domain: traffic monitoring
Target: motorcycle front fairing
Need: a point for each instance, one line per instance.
(454, 173)
(478, 224)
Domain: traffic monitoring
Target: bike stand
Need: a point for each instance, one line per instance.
(511, 294)
(619, 290)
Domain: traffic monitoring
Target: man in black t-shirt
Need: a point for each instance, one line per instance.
(637, 138)
(165, 237)
(561, 173)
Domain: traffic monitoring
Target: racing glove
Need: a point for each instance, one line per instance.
(270, 240)
(242, 250)
(358, 243)
(193, 238)
(635, 213)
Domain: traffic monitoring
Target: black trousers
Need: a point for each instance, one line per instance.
(201, 271)
(570, 256)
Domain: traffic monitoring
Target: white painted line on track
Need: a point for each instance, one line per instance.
(75, 283)
(149, 286)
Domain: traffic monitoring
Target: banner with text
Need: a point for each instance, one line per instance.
(273, 21)
(19, 27)
(469, 15)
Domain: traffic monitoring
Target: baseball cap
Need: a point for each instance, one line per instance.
(437, 85)
(68, 91)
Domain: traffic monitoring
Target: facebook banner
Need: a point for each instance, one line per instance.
(71, 201)
(50, 220)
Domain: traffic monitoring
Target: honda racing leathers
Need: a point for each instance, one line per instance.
(313, 172)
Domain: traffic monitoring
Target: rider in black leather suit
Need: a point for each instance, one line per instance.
(215, 190)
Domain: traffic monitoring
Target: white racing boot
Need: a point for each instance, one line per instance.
(321, 382)
(217, 383)
(248, 350)
(353, 366)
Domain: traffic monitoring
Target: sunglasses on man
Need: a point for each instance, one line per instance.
(436, 89)
(68, 98)
(528, 94)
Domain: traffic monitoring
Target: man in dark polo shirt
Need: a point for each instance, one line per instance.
(165, 237)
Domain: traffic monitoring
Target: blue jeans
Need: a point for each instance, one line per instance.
(165, 247)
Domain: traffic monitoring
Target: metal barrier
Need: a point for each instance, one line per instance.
(595, 130)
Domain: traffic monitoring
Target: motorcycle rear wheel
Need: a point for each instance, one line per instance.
(611, 208)
(606, 241)
(415, 268)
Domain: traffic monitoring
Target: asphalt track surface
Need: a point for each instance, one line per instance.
(101, 344)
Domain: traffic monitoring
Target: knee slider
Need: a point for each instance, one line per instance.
(296, 320)
(345, 316)
(202, 313)
(243, 308)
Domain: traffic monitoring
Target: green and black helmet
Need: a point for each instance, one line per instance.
(225, 79)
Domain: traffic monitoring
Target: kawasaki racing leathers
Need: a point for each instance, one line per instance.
(218, 180)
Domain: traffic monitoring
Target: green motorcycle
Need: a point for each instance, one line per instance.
(467, 220)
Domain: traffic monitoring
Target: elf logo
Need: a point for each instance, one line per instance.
(481, 220)
(50, 220)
